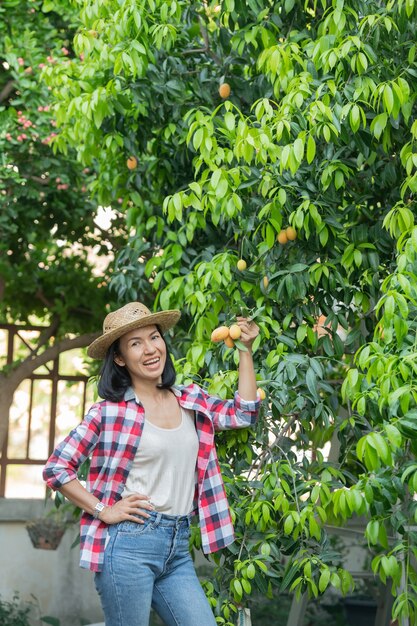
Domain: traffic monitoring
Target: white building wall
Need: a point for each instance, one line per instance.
(53, 577)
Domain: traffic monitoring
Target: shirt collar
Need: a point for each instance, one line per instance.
(130, 394)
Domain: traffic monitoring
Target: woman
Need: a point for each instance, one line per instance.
(153, 464)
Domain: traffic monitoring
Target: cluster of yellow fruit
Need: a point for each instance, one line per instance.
(287, 234)
(226, 334)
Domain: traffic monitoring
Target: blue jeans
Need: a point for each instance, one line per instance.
(149, 565)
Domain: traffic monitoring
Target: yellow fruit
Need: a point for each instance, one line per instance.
(229, 342)
(235, 331)
(224, 90)
(261, 393)
(241, 265)
(219, 334)
(282, 237)
(291, 233)
(93, 33)
(265, 281)
(131, 162)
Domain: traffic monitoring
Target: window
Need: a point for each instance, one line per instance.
(46, 406)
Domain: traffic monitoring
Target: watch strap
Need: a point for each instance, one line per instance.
(98, 509)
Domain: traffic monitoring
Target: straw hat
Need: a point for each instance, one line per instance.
(131, 316)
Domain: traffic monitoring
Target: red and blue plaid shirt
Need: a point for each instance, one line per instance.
(110, 434)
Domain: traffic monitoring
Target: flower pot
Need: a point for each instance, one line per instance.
(45, 534)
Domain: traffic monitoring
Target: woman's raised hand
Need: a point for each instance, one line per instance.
(249, 329)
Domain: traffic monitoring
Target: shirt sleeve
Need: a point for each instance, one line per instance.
(62, 466)
(228, 414)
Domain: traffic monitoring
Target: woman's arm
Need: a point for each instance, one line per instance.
(63, 464)
(126, 509)
(247, 379)
(242, 411)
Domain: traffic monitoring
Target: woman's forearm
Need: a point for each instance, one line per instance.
(247, 379)
(78, 495)
(133, 508)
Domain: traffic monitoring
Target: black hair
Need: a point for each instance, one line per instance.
(114, 379)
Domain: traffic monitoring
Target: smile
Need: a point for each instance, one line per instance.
(152, 361)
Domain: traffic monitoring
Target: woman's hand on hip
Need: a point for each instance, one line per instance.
(127, 509)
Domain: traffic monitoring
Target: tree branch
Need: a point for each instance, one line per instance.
(27, 367)
(47, 333)
(204, 35)
(7, 90)
(41, 296)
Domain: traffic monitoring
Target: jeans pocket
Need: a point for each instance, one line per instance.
(136, 528)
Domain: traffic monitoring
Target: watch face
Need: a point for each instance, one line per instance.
(99, 506)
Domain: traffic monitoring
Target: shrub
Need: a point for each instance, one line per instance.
(14, 612)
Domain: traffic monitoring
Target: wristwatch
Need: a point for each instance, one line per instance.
(98, 509)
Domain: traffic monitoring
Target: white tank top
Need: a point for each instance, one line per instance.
(164, 467)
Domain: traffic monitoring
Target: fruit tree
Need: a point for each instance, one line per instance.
(306, 171)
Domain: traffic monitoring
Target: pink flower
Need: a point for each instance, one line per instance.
(21, 61)
(40, 108)
(64, 51)
(8, 137)
(46, 108)
(50, 59)
(57, 180)
(41, 65)
(120, 200)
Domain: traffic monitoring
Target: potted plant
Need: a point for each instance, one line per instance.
(46, 532)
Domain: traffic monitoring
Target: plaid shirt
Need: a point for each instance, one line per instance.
(110, 433)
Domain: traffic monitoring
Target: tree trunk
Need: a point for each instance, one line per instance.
(9, 382)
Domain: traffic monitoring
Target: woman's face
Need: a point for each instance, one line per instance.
(143, 353)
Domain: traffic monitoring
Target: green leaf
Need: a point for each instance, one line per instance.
(324, 580)
(311, 381)
(229, 120)
(288, 525)
(311, 149)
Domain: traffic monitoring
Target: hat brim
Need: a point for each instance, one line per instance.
(163, 319)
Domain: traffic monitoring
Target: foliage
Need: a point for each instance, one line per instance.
(13, 613)
(383, 394)
(47, 227)
(318, 133)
